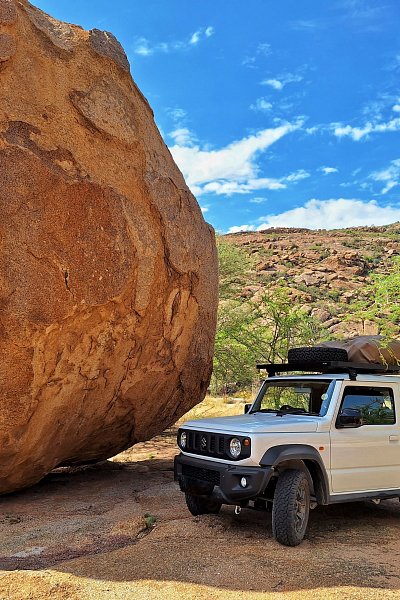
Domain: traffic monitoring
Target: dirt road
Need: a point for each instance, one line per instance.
(121, 530)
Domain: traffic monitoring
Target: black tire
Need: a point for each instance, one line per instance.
(198, 505)
(317, 354)
(291, 507)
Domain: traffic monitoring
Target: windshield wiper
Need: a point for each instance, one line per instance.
(265, 410)
(281, 413)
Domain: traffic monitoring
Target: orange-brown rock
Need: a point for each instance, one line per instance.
(108, 274)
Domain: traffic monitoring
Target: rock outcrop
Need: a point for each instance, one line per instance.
(108, 272)
(328, 273)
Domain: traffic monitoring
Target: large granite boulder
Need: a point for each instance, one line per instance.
(108, 272)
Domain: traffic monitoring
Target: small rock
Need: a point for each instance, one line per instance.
(321, 314)
(35, 551)
(142, 469)
(347, 296)
(330, 322)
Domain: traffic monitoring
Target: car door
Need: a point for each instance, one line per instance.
(366, 458)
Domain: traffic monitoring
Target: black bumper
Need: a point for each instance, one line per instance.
(220, 481)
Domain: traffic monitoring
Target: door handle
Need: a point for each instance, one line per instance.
(393, 438)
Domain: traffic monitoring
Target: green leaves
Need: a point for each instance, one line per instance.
(262, 328)
(381, 303)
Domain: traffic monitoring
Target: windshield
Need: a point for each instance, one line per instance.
(310, 397)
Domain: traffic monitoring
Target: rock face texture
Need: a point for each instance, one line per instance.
(108, 272)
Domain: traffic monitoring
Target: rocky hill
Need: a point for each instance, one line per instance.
(328, 273)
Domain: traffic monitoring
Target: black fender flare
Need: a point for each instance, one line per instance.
(312, 460)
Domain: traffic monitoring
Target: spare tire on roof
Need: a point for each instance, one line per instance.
(316, 354)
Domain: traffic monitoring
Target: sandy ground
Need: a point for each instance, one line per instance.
(88, 533)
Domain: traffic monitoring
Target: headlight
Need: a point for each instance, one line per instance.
(235, 447)
(182, 439)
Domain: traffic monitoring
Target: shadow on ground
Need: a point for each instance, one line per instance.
(126, 521)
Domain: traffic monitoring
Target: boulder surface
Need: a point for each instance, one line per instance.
(108, 271)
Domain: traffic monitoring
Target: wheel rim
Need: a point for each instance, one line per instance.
(301, 507)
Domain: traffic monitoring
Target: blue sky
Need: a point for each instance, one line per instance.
(278, 112)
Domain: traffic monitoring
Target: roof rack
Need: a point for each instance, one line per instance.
(330, 366)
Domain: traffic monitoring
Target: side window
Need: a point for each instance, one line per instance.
(375, 404)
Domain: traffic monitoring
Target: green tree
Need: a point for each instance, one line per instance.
(257, 330)
(236, 269)
(287, 325)
(237, 344)
(381, 301)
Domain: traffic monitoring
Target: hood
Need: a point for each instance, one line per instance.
(256, 423)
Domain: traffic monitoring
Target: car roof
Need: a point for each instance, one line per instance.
(368, 377)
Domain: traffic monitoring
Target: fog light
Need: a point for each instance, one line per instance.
(243, 482)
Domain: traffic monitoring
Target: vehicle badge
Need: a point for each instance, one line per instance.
(203, 443)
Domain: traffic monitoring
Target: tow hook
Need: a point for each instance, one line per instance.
(238, 510)
(376, 500)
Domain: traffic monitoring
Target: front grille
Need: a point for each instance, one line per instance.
(202, 474)
(208, 444)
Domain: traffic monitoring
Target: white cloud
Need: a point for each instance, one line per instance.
(231, 169)
(177, 114)
(195, 37)
(204, 209)
(262, 105)
(204, 32)
(143, 47)
(274, 83)
(396, 108)
(258, 200)
(297, 176)
(263, 49)
(357, 133)
(280, 82)
(329, 170)
(182, 136)
(238, 228)
(227, 188)
(389, 176)
(329, 214)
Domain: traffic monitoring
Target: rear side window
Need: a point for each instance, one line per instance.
(375, 404)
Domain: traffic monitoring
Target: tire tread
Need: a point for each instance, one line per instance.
(201, 506)
(284, 501)
(317, 354)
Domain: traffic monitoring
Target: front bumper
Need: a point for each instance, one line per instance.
(220, 481)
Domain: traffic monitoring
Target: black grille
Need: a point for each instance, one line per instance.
(210, 443)
(202, 474)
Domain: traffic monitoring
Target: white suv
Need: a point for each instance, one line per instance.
(332, 436)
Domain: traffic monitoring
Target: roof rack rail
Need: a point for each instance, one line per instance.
(330, 366)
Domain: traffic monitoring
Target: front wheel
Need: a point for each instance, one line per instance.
(198, 505)
(291, 507)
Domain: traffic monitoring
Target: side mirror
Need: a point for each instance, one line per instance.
(349, 417)
(247, 407)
